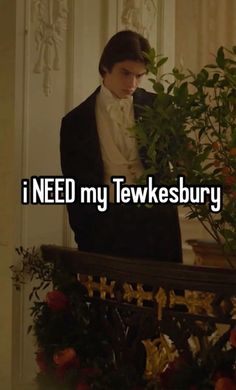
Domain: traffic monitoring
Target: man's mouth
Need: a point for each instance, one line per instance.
(128, 91)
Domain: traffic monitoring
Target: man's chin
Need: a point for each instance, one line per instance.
(126, 93)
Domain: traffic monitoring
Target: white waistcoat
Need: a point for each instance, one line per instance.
(119, 149)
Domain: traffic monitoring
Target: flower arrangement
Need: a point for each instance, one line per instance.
(192, 125)
(74, 352)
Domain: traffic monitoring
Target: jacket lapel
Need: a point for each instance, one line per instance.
(142, 98)
(90, 127)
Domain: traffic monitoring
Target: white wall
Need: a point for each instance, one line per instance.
(7, 185)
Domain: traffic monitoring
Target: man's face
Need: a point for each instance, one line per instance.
(124, 78)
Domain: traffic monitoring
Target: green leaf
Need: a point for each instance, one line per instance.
(211, 66)
(228, 234)
(158, 87)
(171, 86)
(29, 329)
(161, 62)
(152, 80)
(220, 58)
(233, 138)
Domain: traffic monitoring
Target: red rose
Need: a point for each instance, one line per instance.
(65, 357)
(83, 386)
(56, 300)
(225, 383)
(232, 337)
(41, 361)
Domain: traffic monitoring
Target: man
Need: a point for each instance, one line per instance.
(96, 144)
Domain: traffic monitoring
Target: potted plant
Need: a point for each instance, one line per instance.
(192, 127)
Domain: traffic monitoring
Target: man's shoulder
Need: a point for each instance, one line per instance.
(141, 96)
(83, 108)
(143, 92)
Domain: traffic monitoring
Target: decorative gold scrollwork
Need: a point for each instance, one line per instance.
(233, 312)
(106, 290)
(140, 295)
(197, 302)
(161, 300)
(160, 352)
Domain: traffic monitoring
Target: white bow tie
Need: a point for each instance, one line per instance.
(119, 111)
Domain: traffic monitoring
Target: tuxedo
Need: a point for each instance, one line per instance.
(123, 230)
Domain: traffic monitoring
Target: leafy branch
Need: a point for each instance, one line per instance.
(192, 125)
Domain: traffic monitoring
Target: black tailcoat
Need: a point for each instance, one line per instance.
(123, 230)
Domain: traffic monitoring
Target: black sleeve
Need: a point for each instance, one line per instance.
(73, 151)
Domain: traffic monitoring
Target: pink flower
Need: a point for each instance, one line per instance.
(56, 300)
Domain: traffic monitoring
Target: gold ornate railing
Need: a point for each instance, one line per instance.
(164, 307)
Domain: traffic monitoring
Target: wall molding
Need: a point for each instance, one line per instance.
(49, 18)
(139, 15)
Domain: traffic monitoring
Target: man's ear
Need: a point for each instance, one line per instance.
(105, 70)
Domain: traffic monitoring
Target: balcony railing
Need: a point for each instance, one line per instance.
(155, 312)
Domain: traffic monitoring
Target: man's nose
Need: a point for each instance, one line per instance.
(132, 81)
